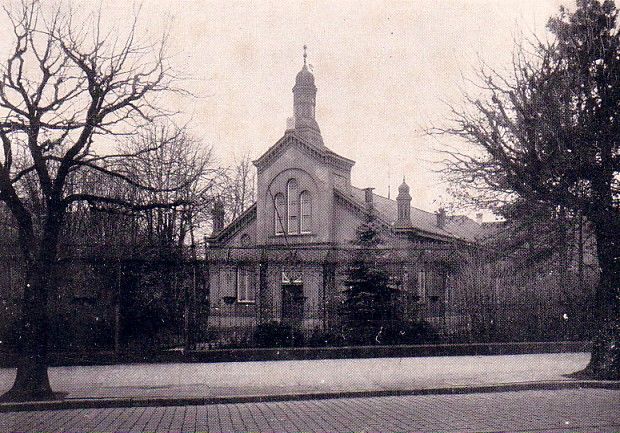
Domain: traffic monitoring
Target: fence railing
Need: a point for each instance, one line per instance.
(92, 306)
(247, 325)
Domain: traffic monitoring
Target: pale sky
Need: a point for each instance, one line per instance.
(383, 69)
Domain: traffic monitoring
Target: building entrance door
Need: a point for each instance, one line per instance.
(437, 292)
(293, 304)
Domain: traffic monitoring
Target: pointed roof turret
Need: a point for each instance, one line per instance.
(403, 201)
(304, 104)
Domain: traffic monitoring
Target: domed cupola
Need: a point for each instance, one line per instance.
(304, 103)
(403, 189)
(304, 77)
(403, 203)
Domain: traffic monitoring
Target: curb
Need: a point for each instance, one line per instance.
(201, 401)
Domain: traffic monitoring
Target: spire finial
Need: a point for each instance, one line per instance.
(403, 178)
(305, 53)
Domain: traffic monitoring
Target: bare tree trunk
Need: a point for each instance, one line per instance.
(32, 381)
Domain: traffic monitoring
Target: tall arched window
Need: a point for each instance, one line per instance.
(293, 206)
(279, 214)
(305, 201)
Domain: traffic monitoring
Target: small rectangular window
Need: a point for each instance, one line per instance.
(227, 279)
(245, 288)
(422, 285)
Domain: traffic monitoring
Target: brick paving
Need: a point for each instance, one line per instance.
(579, 410)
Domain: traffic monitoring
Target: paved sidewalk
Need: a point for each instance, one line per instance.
(283, 378)
(574, 410)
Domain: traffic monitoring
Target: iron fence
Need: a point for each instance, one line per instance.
(247, 325)
(174, 302)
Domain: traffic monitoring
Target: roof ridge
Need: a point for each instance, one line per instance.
(394, 201)
(388, 219)
(422, 220)
(361, 204)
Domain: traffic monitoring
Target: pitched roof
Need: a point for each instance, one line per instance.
(458, 226)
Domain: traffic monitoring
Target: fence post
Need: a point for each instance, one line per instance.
(117, 309)
(329, 277)
(263, 287)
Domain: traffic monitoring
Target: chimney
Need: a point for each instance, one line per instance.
(218, 215)
(441, 218)
(479, 217)
(368, 196)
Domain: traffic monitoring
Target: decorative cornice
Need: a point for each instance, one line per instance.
(321, 154)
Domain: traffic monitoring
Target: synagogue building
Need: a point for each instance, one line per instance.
(285, 257)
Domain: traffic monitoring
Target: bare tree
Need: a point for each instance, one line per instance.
(64, 87)
(546, 134)
(183, 161)
(238, 187)
(180, 169)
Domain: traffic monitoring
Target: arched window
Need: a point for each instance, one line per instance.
(305, 201)
(279, 214)
(293, 206)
